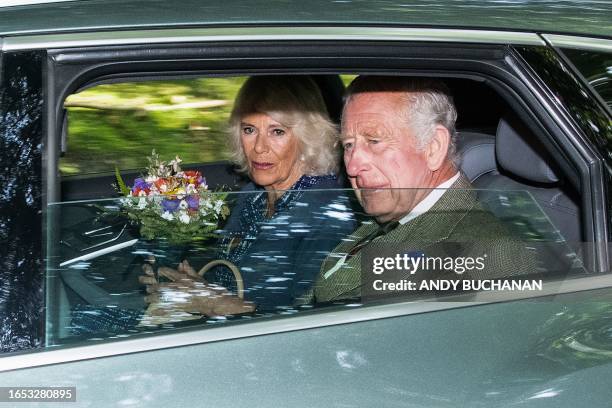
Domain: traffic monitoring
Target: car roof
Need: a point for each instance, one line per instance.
(589, 17)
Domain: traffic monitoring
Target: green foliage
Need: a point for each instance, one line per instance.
(117, 125)
(347, 79)
(120, 183)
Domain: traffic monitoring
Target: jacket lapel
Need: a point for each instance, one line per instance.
(427, 229)
(439, 222)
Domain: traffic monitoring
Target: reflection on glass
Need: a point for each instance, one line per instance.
(112, 282)
(585, 110)
(21, 297)
(578, 337)
(596, 67)
(100, 257)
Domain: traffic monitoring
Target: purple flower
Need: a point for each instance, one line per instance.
(170, 205)
(193, 201)
(140, 185)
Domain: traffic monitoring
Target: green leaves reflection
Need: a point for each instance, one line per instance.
(579, 337)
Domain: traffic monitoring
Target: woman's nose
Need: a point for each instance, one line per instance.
(261, 143)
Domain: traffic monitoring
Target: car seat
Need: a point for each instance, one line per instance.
(513, 162)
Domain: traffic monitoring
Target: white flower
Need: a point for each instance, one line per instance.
(204, 186)
(175, 164)
(142, 203)
(141, 193)
(191, 189)
(157, 199)
(180, 193)
(151, 179)
(167, 215)
(183, 205)
(184, 217)
(218, 206)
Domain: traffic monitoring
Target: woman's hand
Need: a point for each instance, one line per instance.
(188, 293)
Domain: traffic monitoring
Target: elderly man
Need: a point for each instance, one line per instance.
(398, 136)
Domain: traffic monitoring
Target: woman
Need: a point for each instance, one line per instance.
(284, 140)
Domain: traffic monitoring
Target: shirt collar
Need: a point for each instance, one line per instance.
(429, 200)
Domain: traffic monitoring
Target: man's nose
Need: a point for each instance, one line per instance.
(356, 161)
(261, 143)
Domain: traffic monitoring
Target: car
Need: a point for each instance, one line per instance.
(89, 88)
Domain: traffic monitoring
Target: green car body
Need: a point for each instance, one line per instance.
(553, 350)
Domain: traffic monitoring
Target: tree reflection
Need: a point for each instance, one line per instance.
(20, 201)
(578, 337)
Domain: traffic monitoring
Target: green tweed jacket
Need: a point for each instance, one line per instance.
(456, 217)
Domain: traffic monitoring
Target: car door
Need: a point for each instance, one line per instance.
(547, 347)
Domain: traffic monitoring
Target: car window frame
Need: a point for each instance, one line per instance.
(595, 45)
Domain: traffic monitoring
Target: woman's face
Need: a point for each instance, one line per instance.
(272, 152)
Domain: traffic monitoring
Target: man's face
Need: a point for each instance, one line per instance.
(381, 156)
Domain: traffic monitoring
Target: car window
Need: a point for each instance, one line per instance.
(104, 244)
(147, 184)
(21, 197)
(108, 125)
(596, 67)
(293, 263)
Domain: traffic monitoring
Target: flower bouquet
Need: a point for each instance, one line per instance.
(172, 204)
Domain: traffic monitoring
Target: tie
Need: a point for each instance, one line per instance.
(381, 230)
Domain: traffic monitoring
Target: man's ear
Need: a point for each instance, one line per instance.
(437, 148)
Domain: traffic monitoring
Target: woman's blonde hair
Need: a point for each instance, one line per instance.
(294, 101)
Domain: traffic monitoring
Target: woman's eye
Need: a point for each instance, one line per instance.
(278, 132)
(248, 130)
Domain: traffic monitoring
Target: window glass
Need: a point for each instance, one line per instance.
(109, 125)
(596, 67)
(320, 250)
(103, 245)
(21, 197)
(152, 187)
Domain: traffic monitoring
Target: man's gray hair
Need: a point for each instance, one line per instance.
(428, 103)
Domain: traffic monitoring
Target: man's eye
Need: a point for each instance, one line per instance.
(278, 132)
(248, 130)
(347, 145)
(373, 141)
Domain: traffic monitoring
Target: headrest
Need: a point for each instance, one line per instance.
(477, 153)
(520, 153)
(332, 91)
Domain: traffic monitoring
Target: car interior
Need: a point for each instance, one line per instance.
(497, 151)
(516, 179)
